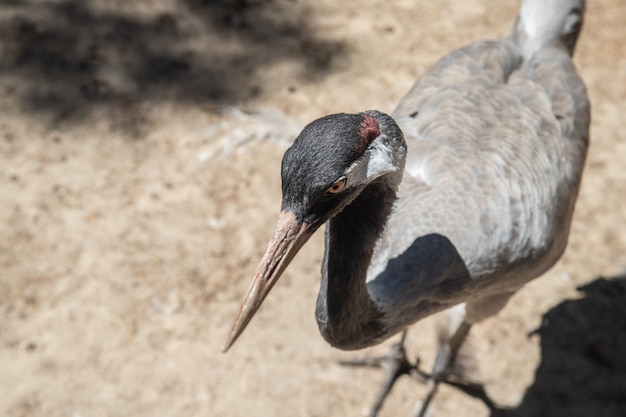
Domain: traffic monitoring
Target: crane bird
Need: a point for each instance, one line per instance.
(457, 200)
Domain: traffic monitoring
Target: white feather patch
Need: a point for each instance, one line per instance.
(378, 160)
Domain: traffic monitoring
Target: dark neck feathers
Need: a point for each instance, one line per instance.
(346, 315)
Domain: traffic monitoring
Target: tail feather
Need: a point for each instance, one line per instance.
(548, 23)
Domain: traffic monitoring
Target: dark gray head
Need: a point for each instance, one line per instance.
(334, 158)
(328, 165)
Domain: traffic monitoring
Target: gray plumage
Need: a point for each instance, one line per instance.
(462, 196)
(496, 146)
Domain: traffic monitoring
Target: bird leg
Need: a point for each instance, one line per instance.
(444, 363)
(395, 365)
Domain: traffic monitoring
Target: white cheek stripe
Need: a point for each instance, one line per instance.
(377, 161)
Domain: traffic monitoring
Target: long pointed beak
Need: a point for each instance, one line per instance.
(289, 236)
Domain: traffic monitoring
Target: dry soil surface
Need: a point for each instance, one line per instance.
(140, 146)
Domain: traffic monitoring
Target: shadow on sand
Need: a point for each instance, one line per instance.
(583, 349)
(66, 59)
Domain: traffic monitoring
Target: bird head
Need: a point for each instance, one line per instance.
(329, 164)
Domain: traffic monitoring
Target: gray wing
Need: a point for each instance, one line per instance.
(496, 148)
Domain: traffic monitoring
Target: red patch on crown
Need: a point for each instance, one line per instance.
(370, 130)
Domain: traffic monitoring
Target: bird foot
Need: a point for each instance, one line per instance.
(475, 390)
(470, 388)
(395, 364)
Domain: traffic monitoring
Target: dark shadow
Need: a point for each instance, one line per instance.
(583, 348)
(426, 262)
(66, 59)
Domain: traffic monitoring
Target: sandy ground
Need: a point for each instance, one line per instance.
(134, 206)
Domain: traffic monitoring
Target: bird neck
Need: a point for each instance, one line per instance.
(347, 316)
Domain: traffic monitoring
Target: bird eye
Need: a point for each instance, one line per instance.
(338, 186)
